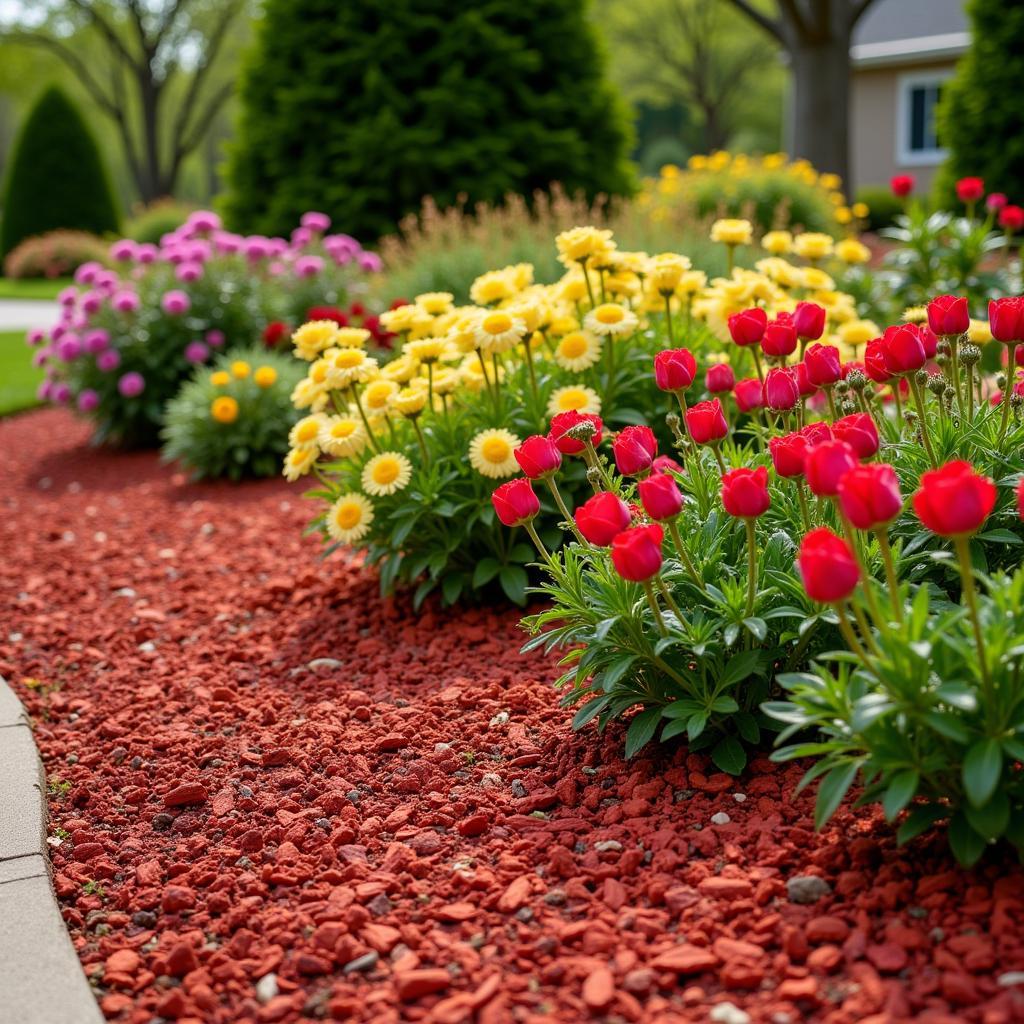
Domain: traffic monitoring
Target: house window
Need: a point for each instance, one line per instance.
(916, 139)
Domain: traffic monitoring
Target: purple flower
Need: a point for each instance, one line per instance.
(91, 302)
(40, 357)
(35, 337)
(196, 352)
(256, 248)
(315, 221)
(215, 338)
(125, 301)
(60, 393)
(44, 391)
(131, 384)
(308, 266)
(371, 262)
(88, 400)
(69, 347)
(96, 340)
(68, 296)
(147, 253)
(227, 242)
(203, 220)
(86, 273)
(123, 250)
(108, 360)
(189, 271)
(175, 302)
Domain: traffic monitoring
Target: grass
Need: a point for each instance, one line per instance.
(32, 287)
(18, 377)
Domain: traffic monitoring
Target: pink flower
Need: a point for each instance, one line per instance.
(125, 301)
(108, 360)
(88, 400)
(175, 302)
(314, 221)
(131, 384)
(196, 352)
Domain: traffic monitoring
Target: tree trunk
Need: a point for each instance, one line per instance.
(821, 102)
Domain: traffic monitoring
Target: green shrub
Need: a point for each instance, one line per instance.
(151, 223)
(883, 206)
(55, 254)
(365, 109)
(56, 178)
(979, 114)
(234, 422)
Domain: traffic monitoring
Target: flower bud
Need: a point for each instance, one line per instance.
(602, 517)
(745, 492)
(515, 503)
(954, 500)
(661, 497)
(636, 552)
(827, 566)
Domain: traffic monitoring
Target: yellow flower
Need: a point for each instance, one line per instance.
(813, 245)
(220, 379)
(378, 394)
(732, 231)
(349, 365)
(494, 286)
(563, 324)
(979, 332)
(425, 350)
(399, 320)
(305, 434)
(401, 369)
(915, 315)
(435, 303)
(349, 518)
(572, 288)
(858, 332)
(830, 182)
(298, 462)
(578, 351)
(817, 280)
(224, 409)
(844, 214)
(410, 401)
(342, 436)
(386, 473)
(860, 210)
(665, 271)
(574, 396)
(307, 394)
(498, 331)
(579, 245)
(777, 242)
(351, 337)
(313, 337)
(692, 282)
(240, 369)
(492, 453)
(849, 250)
(611, 319)
(265, 377)
(446, 380)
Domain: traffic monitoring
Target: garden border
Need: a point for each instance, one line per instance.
(41, 977)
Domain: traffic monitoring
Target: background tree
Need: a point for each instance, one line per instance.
(979, 117)
(816, 34)
(56, 178)
(703, 57)
(363, 109)
(156, 68)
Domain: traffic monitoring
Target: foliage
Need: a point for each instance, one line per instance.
(884, 207)
(18, 377)
(127, 340)
(978, 115)
(770, 191)
(150, 223)
(55, 254)
(56, 177)
(398, 101)
(234, 421)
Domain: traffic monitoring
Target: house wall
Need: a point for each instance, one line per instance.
(874, 110)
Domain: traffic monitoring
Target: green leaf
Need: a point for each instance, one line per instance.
(900, 792)
(959, 695)
(1014, 748)
(604, 626)
(451, 587)
(724, 705)
(695, 726)
(757, 626)
(832, 789)
(982, 768)
(738, 668)
(747, 727)
(672, 729)
(966, 844)
(1000, 536)
(641, 730)
(918, 820)
(514, 582)
(949, 726)
(485, 571)
(616, 670)
(589, 711)
(991, 820)
(729, 755)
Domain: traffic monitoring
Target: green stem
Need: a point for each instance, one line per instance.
(865, 626)
(668, 321)
(831, 403)
(535, 537)
(963, 551)
(718, 456)
(915, 390)
(420, 438)
(802, 497)
(1007, 391)
(849, 636)
(751, 566)
(757, 363)
(667, 595)
(529, 366)
(586, 277)
(564, 509)
(653, 602)
(362, 415)
(890, 572)
(684, 555)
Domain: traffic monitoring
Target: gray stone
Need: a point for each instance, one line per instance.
(729, 1013)
(266, 988)
(366, 962)
(807, 889)
(22, 826)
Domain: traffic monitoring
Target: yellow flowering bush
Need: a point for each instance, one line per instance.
(233, 421)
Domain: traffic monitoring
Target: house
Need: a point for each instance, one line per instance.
(902, 52)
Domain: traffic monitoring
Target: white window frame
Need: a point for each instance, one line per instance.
(905, 156)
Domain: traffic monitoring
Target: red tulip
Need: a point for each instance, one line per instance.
(970, 190)
(904, 350)
(1020, 497)
(1006, 320)
(823, 365)
(538, 457)
(661, 497)
(745, 492)
(803, 382)
(827, 567)
(954, 500)
(809, 320)
(779, 337)
(674, 369)
(1011, 218)
(902, 185)
(816, 432)
(780, 389)
(929, 340)
(825, 465)
(664, 463)
(719, 379)
(876, 363)
(749, 394)
(996, 201)
(788, 453)
(747, 328)
(515, 503)
(636, 553)
(706, 423)
(859, 432)
(870, 495)
(948, 314)
(634, 450)
(563, 422)
(602, 517)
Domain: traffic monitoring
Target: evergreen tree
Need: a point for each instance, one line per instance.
(364, 109)
(980, 114)
(56, 177)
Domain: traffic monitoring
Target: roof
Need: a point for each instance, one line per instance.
(891, 32)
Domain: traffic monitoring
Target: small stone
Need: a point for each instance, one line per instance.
(490, 781)
(685, 959)
(807, 889)
(379, 905)
(266, 988)
(515, 895)
(144, 919)
(325, 666)
(518, 789)
(721, 818)
(599, 989)
(147, 646)
(189, 793)
(608, 846)
(413, 984)
(555, 897)
(501, 718)
(366, 962)
(728, 1013)
(887, 957)
(739, 798)
(726, 888)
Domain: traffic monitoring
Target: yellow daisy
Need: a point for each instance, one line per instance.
(578, 351)
(732, 231)
(611, 319)
(492, 453)
(499, 331)
(342, 436)
(351, 337)
(349, 518)
(240, 369)
(665, 271)
(850, 250)
(224, 409)
(579, 245)
(813, 245)
(220, 379)
(350, 365)
(435, 303)
(425, 350)
(386, 473)
(777, 242)
(401, 319)
(299, 461)
(307, 394)
(492, 287)
(574, 396)
(313, 337)
(306, 433)
(410, 401)
(446, 380)
(400, 370)
(858, 332)
(378, 394)
(265, 377)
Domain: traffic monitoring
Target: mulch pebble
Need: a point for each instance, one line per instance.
(278, 797)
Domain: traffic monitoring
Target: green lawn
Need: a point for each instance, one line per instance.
(32, 288)
(18, 377)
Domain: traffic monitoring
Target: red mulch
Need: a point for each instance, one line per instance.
(409, 831)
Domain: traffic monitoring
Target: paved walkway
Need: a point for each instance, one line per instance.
(22, 314)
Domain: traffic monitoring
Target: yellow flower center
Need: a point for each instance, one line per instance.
(574, 398)
(343, 428)
(348, 358)
(497, 323)
(609, 313)
(495, 449)
(386, 471)
(240, 368)
(318, 374)
(574, 345)
(348, 515)
(308, 431)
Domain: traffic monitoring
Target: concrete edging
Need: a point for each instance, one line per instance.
(40, 975)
